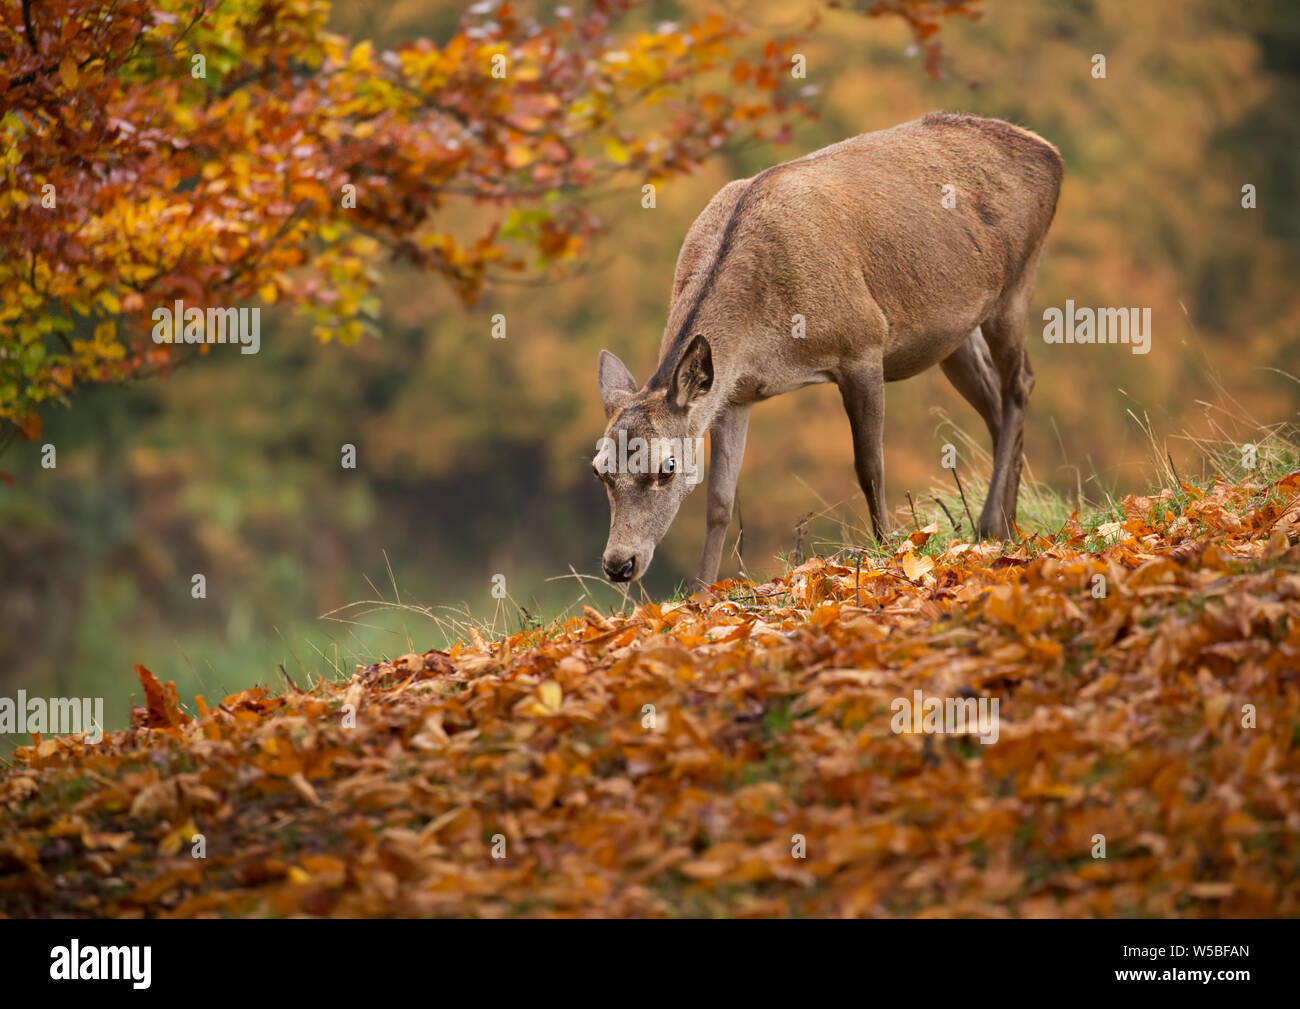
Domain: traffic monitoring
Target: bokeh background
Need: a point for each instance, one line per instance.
(473, 452)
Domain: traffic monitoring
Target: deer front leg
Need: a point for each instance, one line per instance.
(726, 450)
(863, 389)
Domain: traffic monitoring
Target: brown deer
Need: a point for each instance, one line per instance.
(859, 264)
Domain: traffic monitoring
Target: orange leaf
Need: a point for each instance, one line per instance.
(915, 565)
(162, 707)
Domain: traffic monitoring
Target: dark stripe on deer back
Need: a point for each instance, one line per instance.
(663, 374)
(681, 339)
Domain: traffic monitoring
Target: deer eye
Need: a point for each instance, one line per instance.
(667, 470)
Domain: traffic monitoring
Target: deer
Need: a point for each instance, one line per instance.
(866, 262)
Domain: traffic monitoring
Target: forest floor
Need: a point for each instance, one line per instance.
(1134, 682)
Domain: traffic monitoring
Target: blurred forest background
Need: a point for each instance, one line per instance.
(473, 452)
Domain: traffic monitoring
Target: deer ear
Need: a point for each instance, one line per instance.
(615, 381)
(694, 374)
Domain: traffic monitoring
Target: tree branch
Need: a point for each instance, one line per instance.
(27, 27)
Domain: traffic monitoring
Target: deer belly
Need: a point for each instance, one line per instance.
(910, 355)
(768, 388)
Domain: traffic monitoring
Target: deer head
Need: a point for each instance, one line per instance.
(650, 456)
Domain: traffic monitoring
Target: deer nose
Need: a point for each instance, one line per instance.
(619, 571)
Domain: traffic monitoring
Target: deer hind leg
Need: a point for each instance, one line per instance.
(1006, 335)
(971, 371)
(862, 388)
(726, 450)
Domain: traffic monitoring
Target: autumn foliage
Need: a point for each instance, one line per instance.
(1162, 715)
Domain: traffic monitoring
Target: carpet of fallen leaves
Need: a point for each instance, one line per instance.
(1121, 716)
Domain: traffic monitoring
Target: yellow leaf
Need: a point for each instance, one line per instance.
(362, 53)
(183, 834)
(617, 151)
(68, 72)
(519, 155)
(550, 694)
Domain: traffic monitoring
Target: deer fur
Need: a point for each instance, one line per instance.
(889, 281)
